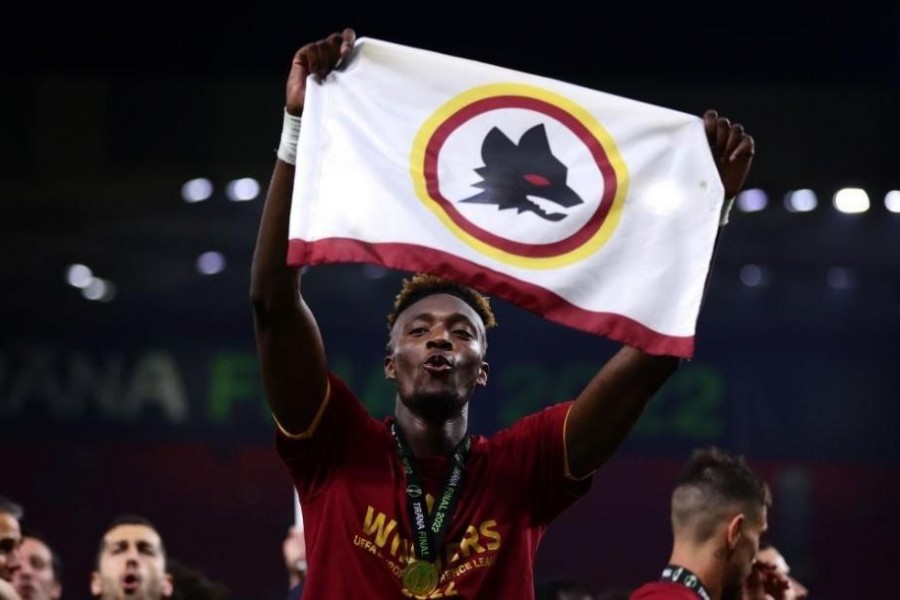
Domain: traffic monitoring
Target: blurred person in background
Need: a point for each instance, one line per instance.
(131, 562)
(11, 515)
(294, 551)
(718, 512)
(39, 576)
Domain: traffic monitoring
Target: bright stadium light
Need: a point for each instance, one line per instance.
(241, 190)
(851, 200)
(752, 200)
(99, 290)
(892, 201)
(210, 263)
(801, 200)
(196, 190)
(79, 276)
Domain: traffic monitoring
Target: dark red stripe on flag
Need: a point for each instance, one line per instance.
(413, 258)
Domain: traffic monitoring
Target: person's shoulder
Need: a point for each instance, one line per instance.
(336, 385)
(551, 414)
(545, 423)
(661, 590)
(346, 399)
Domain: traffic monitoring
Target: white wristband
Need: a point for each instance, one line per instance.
(290, 135)
(726, 209)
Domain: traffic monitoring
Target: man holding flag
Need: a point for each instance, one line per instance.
(416, 506)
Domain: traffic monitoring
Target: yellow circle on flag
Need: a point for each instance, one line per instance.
(598, 146)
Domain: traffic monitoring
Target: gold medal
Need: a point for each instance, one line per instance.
(420, 577)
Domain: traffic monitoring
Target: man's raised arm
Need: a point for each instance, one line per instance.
(291, 354)
(606, 411)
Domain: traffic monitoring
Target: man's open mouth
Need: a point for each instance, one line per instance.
(438, 363)
(131, 583)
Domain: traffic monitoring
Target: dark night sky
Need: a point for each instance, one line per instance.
(849, 44)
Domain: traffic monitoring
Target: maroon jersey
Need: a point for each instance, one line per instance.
(352, 490)
(663, 590)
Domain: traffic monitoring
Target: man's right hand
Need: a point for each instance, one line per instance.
(319, 59)
(765, 583)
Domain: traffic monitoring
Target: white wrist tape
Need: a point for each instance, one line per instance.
(726, 209)
(290, 135)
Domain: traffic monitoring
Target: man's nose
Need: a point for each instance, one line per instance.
(439, 338)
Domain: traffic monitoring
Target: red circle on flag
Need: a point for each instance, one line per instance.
(594, 147)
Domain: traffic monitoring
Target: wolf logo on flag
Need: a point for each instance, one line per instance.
(512, 173)
(553, 198)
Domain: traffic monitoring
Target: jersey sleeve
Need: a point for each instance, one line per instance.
(341, 425)
(535, 447)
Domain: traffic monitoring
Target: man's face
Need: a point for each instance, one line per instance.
(35, 579)
(797, 591)
(438, 346)
(131, 565)
(10, 538)
(744, 554)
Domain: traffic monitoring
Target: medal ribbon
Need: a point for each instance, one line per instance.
(682, 576)
(429, 531)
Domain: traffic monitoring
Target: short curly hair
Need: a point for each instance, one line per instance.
(422, 285)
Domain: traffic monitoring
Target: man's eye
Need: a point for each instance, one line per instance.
(463, 334)
(417, 330)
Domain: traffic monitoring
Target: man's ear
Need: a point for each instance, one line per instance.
(482, 377)
(95, 584)
(390, 371)
(735, 530)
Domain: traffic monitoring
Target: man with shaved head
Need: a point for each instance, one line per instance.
(718, 513)
(131, 562)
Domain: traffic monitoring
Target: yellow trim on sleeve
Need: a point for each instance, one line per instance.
(567, 472)
(315, 422)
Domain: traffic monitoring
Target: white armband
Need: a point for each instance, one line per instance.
(290, 135)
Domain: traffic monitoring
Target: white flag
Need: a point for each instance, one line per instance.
(595, 211)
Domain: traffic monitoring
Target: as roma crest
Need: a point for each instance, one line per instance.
(521, 175)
